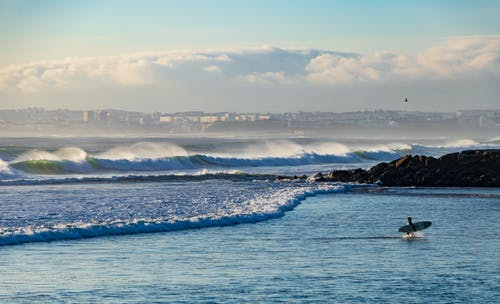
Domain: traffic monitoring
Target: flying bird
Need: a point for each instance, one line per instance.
(406, 99)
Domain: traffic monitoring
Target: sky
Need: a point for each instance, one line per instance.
(250, 56)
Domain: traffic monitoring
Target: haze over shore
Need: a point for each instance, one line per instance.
(462, 124)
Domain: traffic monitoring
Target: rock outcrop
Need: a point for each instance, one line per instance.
(472, 168)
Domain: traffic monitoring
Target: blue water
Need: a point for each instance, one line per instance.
(232, 232)
(331, 248)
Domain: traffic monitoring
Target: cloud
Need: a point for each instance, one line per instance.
(463, 55)
(212, 68)
(456, 58)
(328, 68)
(265, 78)
(134, 70)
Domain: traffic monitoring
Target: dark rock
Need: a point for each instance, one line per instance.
(403, 161)
(470, 168)
(431, 162)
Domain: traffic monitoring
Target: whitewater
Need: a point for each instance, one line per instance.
(235, 220)
(55, 189)
(22, 162)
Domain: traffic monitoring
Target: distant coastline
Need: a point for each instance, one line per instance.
(469, 168)
(36, 122)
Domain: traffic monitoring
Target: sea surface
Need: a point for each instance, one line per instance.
(213, 220)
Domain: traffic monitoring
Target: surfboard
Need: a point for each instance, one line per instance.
(418, 226)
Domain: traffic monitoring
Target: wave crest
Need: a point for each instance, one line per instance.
(267, 206)
(4, 167)
(73, 154)
(459, 143)
(143, 150)
(146, 156)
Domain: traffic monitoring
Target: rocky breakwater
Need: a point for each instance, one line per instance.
(471, 168)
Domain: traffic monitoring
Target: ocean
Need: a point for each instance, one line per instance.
(214, 220)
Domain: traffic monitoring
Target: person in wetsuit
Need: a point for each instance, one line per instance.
(412, 226)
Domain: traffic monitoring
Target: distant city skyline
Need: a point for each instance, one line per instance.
(41, 122)
(250, 56)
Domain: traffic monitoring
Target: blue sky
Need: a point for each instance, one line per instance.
(40, 31)
(53, 29)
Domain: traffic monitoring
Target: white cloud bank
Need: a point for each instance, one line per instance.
(454, 60)
(123, 70)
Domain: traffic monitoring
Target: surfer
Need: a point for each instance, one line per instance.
(412, 226)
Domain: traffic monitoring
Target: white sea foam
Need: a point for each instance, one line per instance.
(205, 213)
(215, 172)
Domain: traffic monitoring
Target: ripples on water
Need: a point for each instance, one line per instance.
(61, 232)
(341, 247)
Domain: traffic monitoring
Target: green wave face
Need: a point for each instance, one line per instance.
(361, 154)
(91, 161)
(40, 166)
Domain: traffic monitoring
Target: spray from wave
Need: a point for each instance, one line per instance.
(5, 171)
(145, 156)
(165, 156)
(4, 167)
(72, 154)
(494, 140)
(459, 143)
(143, 150)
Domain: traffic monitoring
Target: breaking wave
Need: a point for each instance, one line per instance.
(150, 157)
(143, 150)
(72, 154)
(253, 209)
(197, 161)
(4, 167)
(167, 157)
